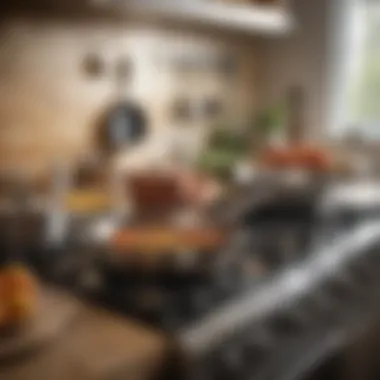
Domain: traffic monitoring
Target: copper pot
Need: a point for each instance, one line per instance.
(163, 192)
(154, 193)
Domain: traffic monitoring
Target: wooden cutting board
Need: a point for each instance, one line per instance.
(54, 313)
(95, 345)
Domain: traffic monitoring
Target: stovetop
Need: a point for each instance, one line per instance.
(266, 243)
(297, 318)
(286, 294)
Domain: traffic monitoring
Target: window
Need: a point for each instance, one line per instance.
(364, 92)
(357, 68)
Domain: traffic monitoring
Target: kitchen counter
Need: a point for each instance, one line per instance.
(95, 345)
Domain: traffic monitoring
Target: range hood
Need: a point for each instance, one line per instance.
(234, 16)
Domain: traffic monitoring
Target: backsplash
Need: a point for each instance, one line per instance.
(52, 101)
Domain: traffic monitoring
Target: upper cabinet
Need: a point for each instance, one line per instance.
(262, 17)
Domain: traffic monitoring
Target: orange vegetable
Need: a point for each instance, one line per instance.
(299, 156)
(18, 295)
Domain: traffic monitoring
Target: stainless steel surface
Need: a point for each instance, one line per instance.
(286, 287)
(352, 195)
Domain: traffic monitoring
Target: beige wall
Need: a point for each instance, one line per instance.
(49, 107)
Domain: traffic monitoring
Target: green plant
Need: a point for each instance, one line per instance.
(269, 119)
(228, 140)
(218, 163)
(226, 146)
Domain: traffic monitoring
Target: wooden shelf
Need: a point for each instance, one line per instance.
(239, 16)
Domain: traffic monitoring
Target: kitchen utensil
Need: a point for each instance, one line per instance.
(93, 65)
(123, 124)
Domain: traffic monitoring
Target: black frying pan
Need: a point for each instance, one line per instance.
(123, 124)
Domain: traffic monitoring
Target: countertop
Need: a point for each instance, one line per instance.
(95, 345)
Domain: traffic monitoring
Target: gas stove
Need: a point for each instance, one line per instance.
(269, 240)
(294, 286)
(296, 319)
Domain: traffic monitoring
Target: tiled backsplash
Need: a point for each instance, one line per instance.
(50, 105)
